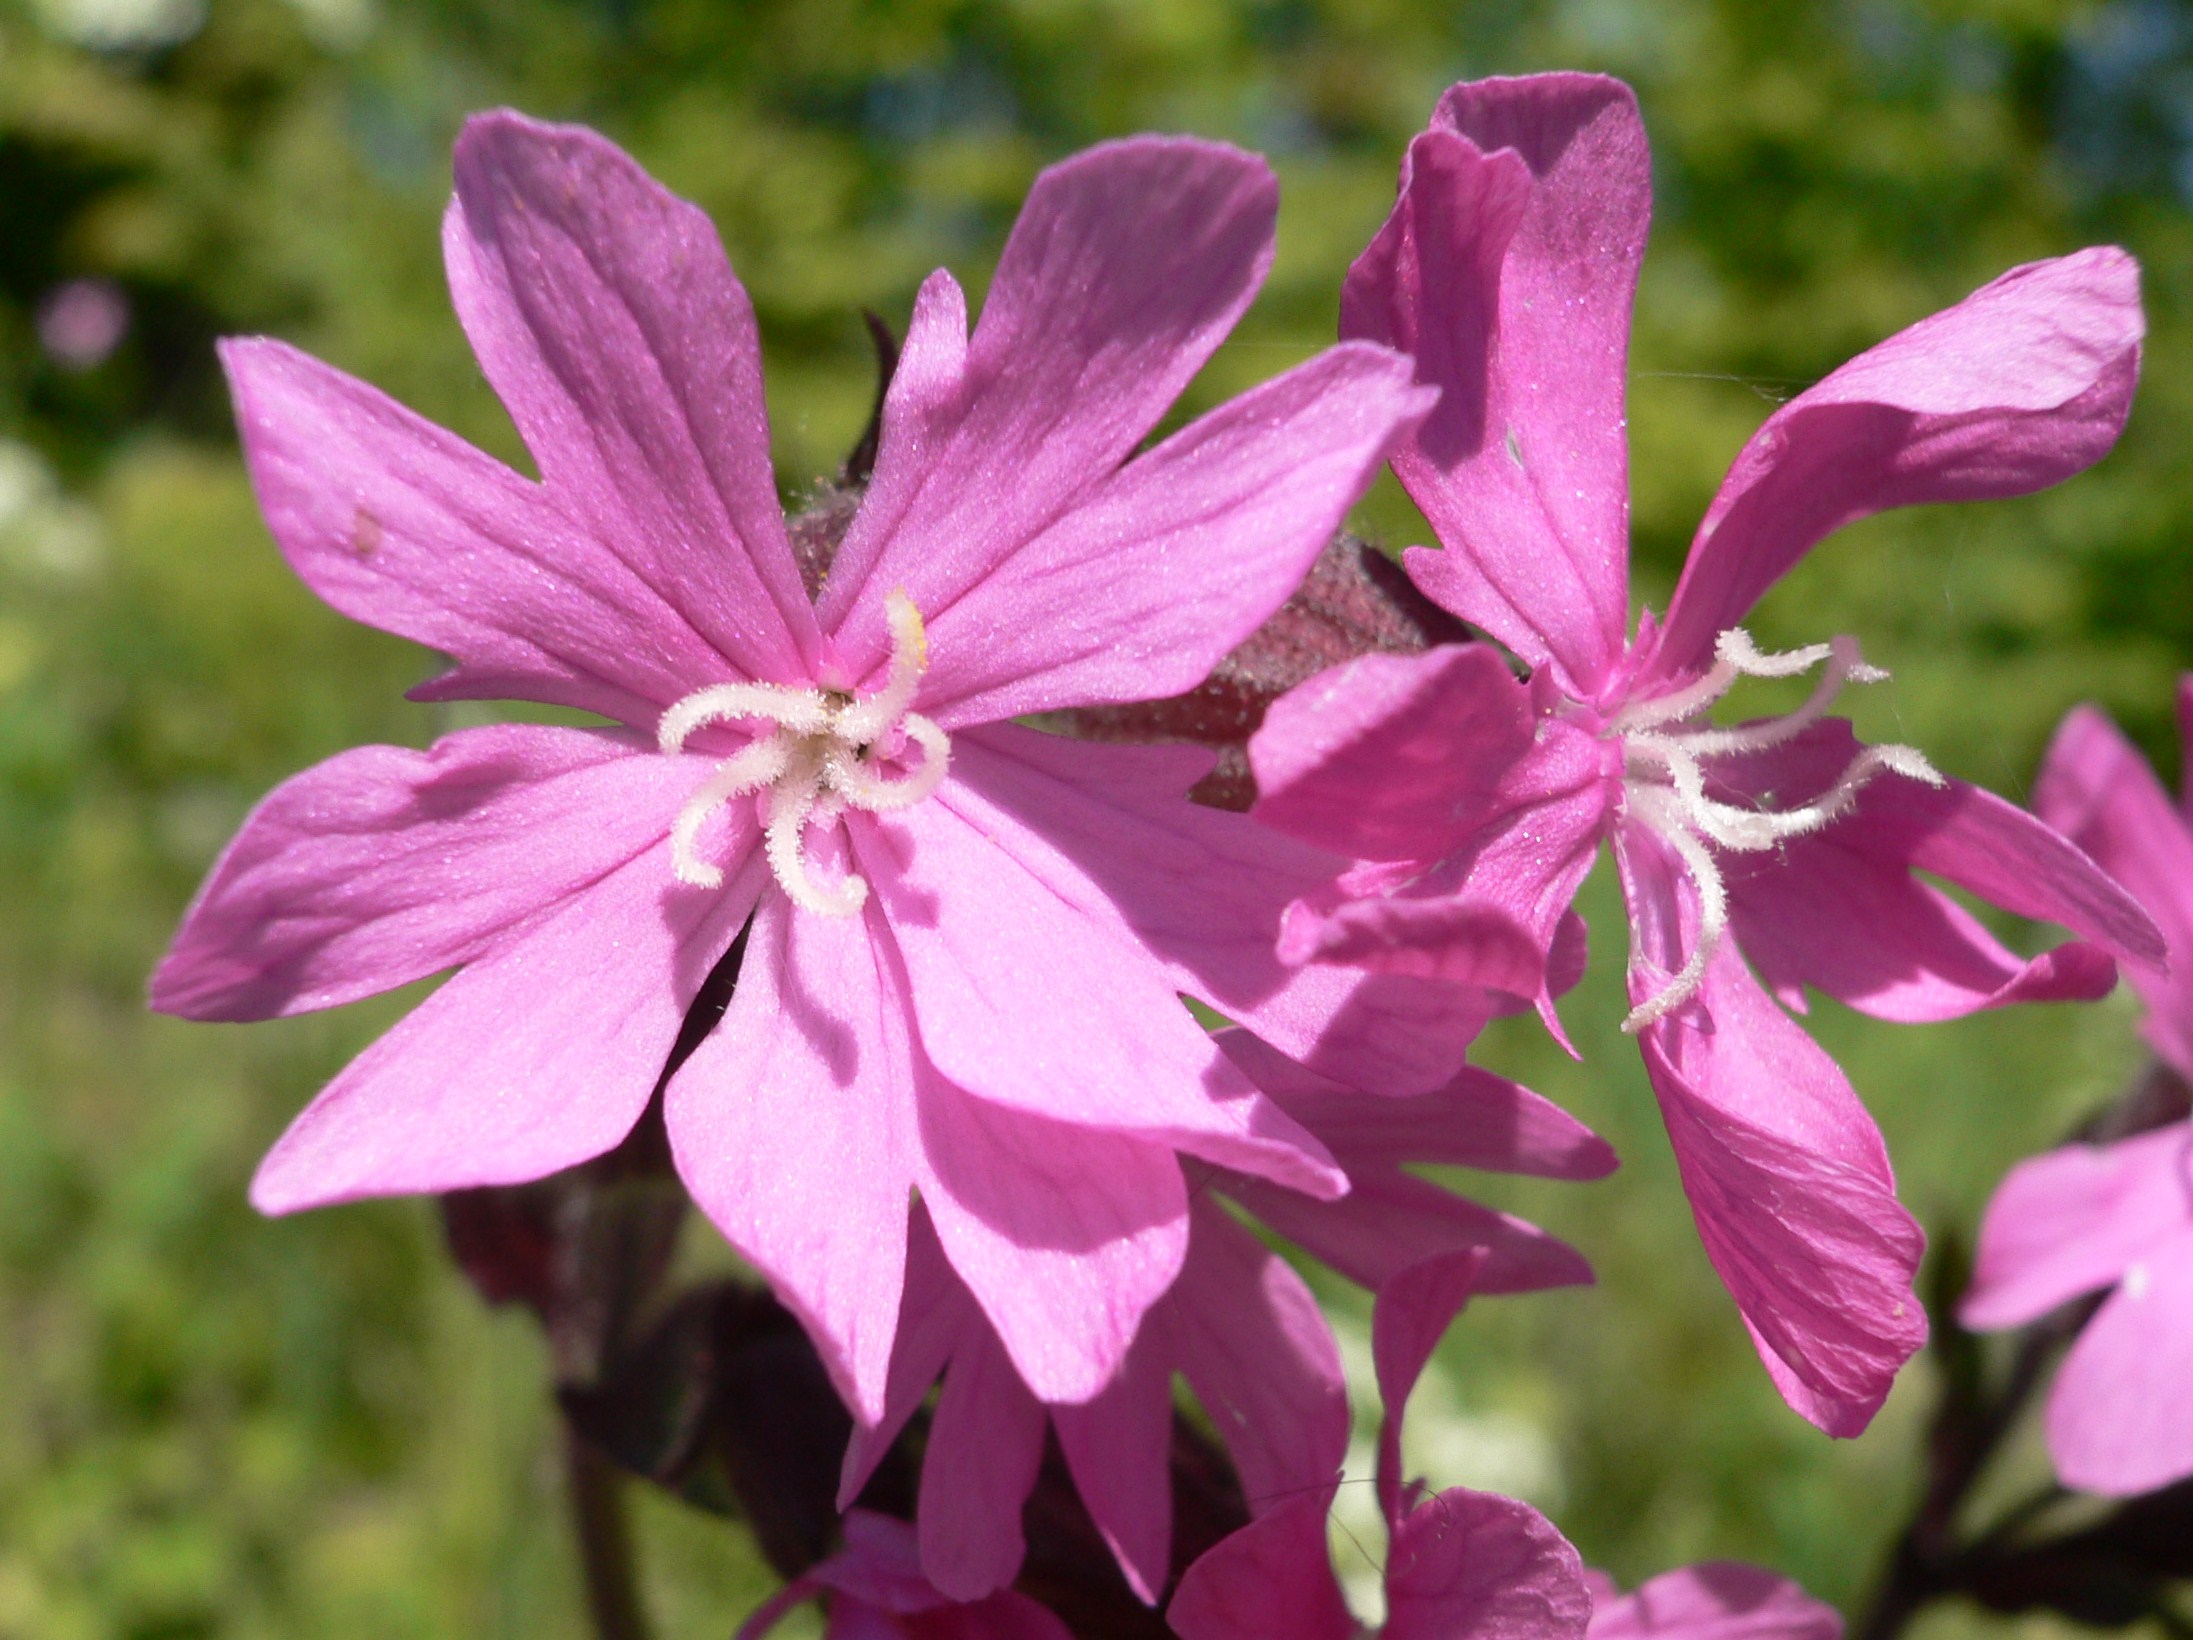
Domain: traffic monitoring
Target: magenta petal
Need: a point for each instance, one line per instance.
(1064, 1235)
(1148, 581)
(1031, 1004)
(1508, 269)
(1414, 1310)
(790, 1128)
(1250, 1339)
(1118, 1447)
(1129, 264)
(2072, 1221)
(1786, 1173)
(2119, 1419)
(2025, 382)
(980, 1464)
(534, 1059)
(605, 314)
(407, 528)
(1719, 1600)
(2097, 790)
(1272, 1580)
(1477, 1120)
(1471, 1566)
(1457, 941)
(1108, 830)
(383, 865)
(936, 1319)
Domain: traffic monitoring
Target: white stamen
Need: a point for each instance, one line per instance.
(1675, 805)
(822, 756)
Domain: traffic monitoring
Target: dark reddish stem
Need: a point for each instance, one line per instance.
(605, 1541)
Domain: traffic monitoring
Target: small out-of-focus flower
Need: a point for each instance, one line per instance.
(1238, 1325)
(1718, 1600)
(82, 322)
(964, 943)
(2112, 1218)
(876, 1591)
(1478, 802)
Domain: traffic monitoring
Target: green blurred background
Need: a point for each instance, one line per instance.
(211, 1424)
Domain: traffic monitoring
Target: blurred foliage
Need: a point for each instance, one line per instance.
(215, 1425)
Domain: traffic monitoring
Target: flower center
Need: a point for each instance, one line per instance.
(827, 752)
(1664, 780)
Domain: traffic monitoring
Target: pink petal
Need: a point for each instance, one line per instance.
(1149, 580)
(1477, 1120)
(1272, 1580)
(789, 1125)
(2025, 382)
(1457, 941)
(407, 528)
(2119, 1419)
(605, 314)
(384, 865)
(1508, 269)
(1118, 1448)
(2072, 1221)
(1031, 1004)
(2099, 792)
(1109, 831)
(878, 1573)
(1471, 1566)
(937, 1318)
(1414, 1310)
(1065, 1235)
(531, 1060)
(1129, 264)
(980, 1464)
(1786, 1173)
(1249, 1337)
(1719, 1600)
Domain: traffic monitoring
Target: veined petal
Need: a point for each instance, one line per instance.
(384, 865)
(406, 527)
(529, 1061)
(1718, 1600)
(1128, 265)
(985, 1445)
(790, 1127)
(2097, 790)
(1472, 1566)
(1786, 1173)
(2072, 1221)
(2119, 1420)
(1033, 1005)
(608, 319)
(1154, 576)
(1507, 269)
(2025, 382)
(1118, 1448)
(1272, 1580)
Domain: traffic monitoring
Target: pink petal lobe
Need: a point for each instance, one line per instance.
(1151, 579)
(2072, 1221)
(1413, 1312)
(1507, 270)
(1272, 1580)
(1471, 1566)
(1064, 1235)
(980, 1464)
(789, 1126)
(2119, 1420)
(1128, 265)
(2025, 382)
(1787, 1176)
(607, 317)
(1029, 1004)
(384, 865)
(1718, 1600)
(407, 528)
(1108, 830)
(533, 1059)
(1118, 1448)
(1456, 941)
(2097, 790)
(937, 1318)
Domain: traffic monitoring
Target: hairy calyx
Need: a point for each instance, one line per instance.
(820, 753)
(1664, 758)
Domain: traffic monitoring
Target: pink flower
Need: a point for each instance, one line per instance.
(1719, 1600)
(2114, 1218)
(1460, 1565)
(877, 1592)
(1479, 802)
(966, 941)
(1238, 1325)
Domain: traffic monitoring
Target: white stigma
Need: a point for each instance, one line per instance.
(1664, 780)
(823, 756)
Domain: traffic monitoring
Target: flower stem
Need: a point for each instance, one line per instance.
(605, 1541)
